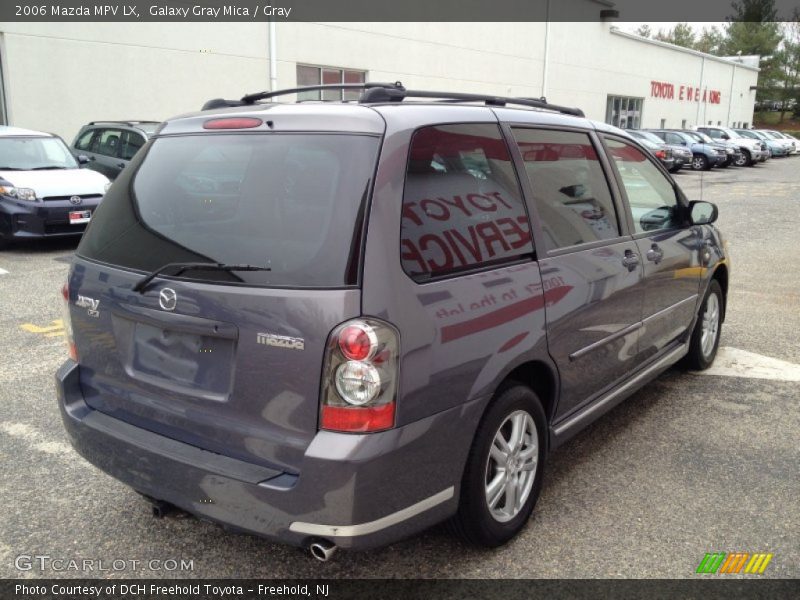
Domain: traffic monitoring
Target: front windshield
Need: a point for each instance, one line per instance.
(772, 134)
(706, 139)
(748, 134)
(34, 153)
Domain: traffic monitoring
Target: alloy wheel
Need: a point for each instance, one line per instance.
(710, 330)
(511, 466)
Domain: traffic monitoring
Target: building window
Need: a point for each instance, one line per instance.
(711, 122)
(683, 124)
(624, 112)
(307, 75)
(663, 123)
(719, 123)
(745, 125)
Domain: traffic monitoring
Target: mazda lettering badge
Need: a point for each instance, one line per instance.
(167, 299)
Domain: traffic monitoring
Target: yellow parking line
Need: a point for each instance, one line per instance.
(56, 328)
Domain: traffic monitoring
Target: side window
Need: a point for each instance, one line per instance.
(85, 141)
(107, 142)
(715, 133)
(673, 138)
(569, 187)
(462, 206)
(131, 142)
(653, 201)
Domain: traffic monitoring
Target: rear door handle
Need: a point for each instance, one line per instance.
(630, 260)
(655, 254)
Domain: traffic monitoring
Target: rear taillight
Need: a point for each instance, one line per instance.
(359, 386)
(72, 350)
(661, 154)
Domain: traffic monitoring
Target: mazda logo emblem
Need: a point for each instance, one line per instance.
(167, 299)
(75, 200)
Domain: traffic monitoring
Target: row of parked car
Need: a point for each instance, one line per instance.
(48, 189)
(708, 147)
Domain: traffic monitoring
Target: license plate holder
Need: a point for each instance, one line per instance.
(78, 217)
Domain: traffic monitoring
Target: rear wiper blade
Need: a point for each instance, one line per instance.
(192, 266)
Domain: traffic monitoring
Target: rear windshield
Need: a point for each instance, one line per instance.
(292, 202)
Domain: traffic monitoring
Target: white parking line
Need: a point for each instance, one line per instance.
(3, 272)
(733, 362)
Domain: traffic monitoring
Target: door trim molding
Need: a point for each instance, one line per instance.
(663, 311)
(606, 340)
(629, 329)
(578, 421)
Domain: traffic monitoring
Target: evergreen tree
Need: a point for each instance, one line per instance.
(754, 30)
(680, 35)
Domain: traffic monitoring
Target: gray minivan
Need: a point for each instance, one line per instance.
(337, 324)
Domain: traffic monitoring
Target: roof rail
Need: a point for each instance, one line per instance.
(395, 92)
(131, 122)
(396, 86)
(495, 100)
(253, 98)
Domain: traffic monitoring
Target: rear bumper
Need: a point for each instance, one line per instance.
(358, 491)
(21, 219)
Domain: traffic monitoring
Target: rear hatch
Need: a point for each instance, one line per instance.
(228, 361)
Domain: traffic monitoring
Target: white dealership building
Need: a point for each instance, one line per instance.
(59, 76)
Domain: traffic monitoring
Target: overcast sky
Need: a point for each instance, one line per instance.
(654, 27)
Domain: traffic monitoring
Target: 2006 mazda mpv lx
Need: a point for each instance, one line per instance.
(336, 324)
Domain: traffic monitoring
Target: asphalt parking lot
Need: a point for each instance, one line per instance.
(689, 465)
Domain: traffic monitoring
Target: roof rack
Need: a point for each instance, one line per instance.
(375, 92)
(130, 123)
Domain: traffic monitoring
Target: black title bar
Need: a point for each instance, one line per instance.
(705, 587)
(378, 10)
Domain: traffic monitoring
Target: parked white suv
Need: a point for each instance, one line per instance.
(43, 190)
(754, 150)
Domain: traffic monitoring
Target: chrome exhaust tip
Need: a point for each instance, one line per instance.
(322, 550)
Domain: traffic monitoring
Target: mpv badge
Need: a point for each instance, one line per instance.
(167, 299)
(75, 200)
(281, 341)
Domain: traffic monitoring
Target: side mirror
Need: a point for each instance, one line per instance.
(82, 159)
(702, 213)
(725, 136)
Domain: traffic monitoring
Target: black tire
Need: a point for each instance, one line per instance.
(743, 159)
(698, 358)
(700, 163)
(4, 242)
(748, 158)
(474, 521)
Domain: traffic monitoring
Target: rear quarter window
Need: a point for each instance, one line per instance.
(462, 207)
